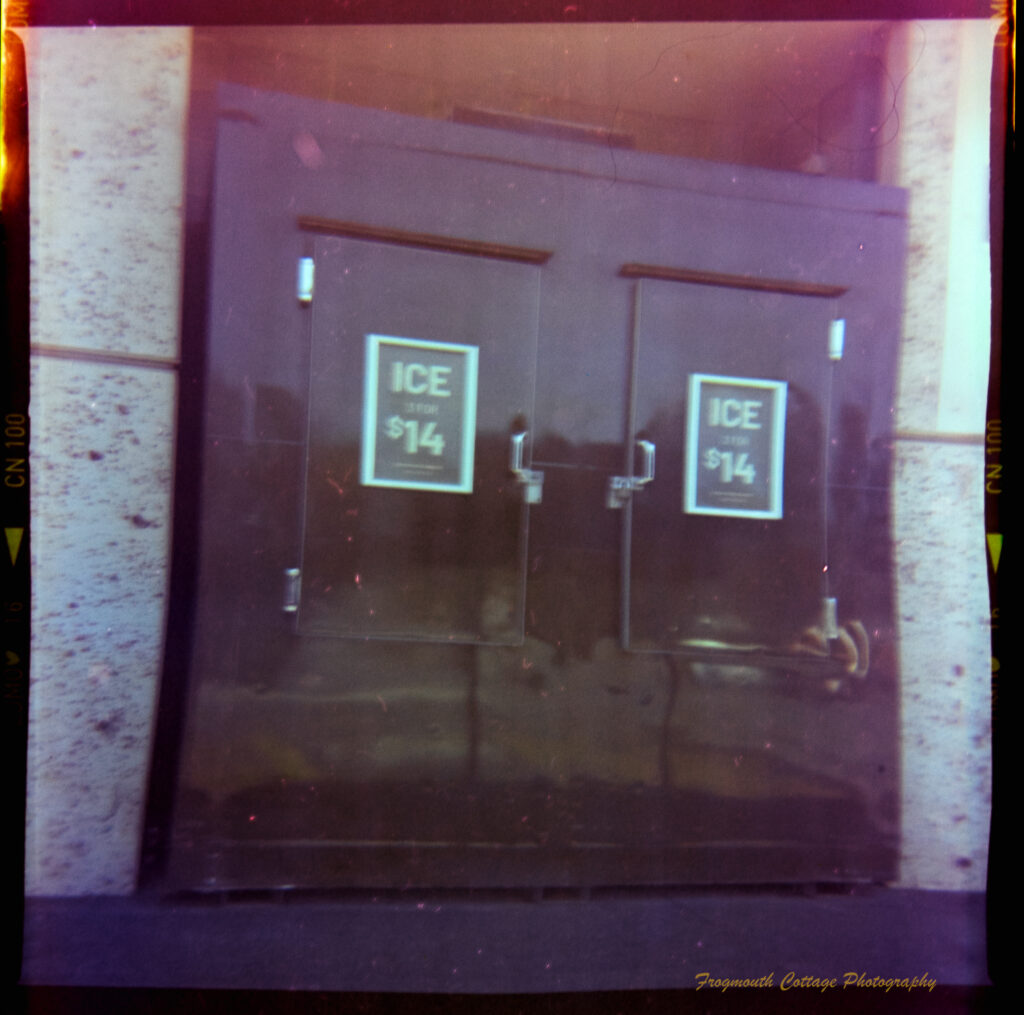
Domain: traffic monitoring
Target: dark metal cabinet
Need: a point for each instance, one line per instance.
(484, 597)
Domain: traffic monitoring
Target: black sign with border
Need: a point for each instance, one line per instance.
(419, 414)
(734, 447)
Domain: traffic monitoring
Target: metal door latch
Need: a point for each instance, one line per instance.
(531, 481)
(621, 488)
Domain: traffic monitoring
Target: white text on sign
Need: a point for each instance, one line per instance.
(417, 379)
(741, 468)
(428, 439)
(731, 412)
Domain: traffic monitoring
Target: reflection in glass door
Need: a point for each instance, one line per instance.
(728, 541)
(421, 385)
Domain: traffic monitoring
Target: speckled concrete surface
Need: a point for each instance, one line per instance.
(107, 137)
(107, 118)
(945, 664)
(101, 505)
(941, 158)
(938, 483)
(922, 162)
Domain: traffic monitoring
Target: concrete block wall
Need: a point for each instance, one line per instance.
(941, 157)
(107, 121)
(107, 135)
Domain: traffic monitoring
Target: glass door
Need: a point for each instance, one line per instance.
(727, 541)
(421, 394)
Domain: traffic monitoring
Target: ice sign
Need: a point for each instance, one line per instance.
(419, 414)
(735, 441)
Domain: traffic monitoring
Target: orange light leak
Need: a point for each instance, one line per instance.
(12, 13)
(1007, 35)
(3, 95)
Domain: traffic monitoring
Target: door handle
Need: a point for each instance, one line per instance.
(647, 474)
(530, 481)
(621, 488)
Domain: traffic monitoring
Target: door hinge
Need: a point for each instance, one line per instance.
(292, 585)
(304, 280)
(830, 618)
(836, 338)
